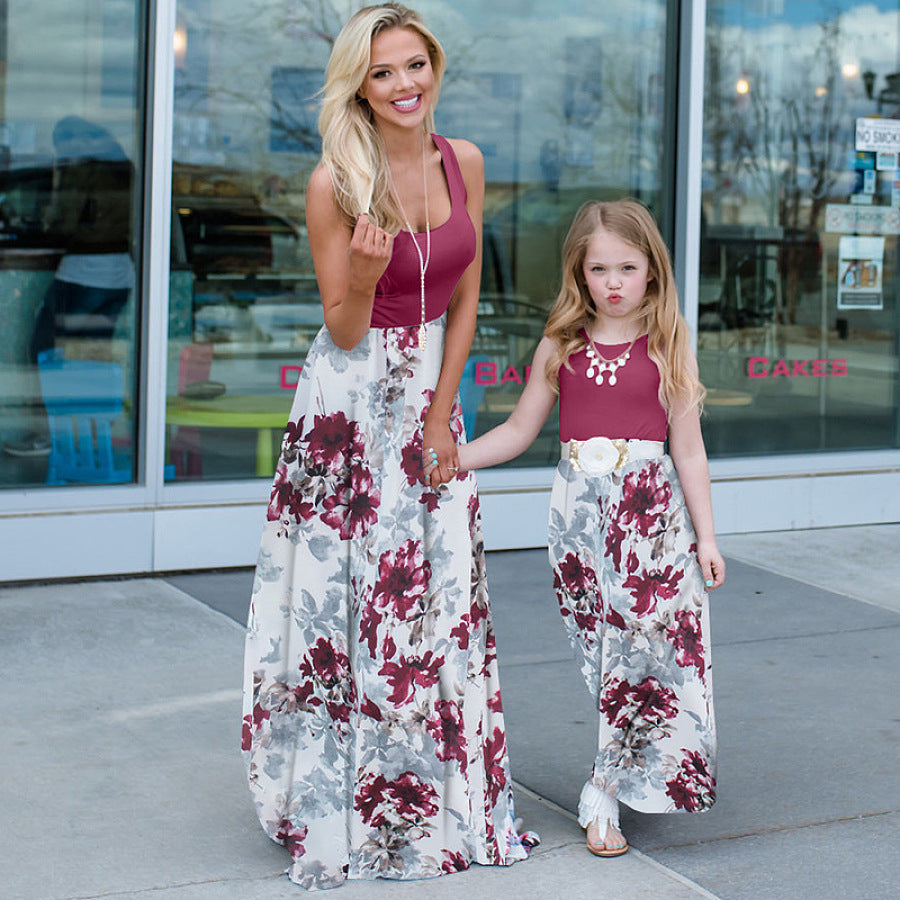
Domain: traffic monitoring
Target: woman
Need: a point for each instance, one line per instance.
(373, 728)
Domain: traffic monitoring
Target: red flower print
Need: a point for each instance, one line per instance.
(456, 421)
(293, 433)
(653, 585)
(653, 701)
(411, 797)
(303, 694)
(292, 837)
(615, 538)
(246, 733)
(429, 499)
(326, 662)
(474, 509)
(586, 623)
(494, 756)
(649, 700)
(403, 579)
(428, 394)
(688, 640)
(285, 496)
(351, 510)
(454, 862)
(403, 676)
(645, 497)
(411, 460)
(333, 441)
(407, 337)
(577, 578)
(461, 632)
(447, 730)
(615, 618)
(615, 699)
(380, 801)
(693, 788)
(370, 798)
(683, 794)
(370, 708)
(368, 627)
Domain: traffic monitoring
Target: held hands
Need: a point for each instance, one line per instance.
(712, 564)
(370, 252)
(440, 456)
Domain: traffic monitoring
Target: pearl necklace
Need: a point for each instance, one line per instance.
(603, 365)
(423, 260)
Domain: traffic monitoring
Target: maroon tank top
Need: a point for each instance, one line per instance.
(628, 409)
(398, 299)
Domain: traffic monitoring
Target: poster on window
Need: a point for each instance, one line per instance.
(860, 263)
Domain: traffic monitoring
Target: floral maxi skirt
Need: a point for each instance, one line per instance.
(633, 601)
(373, 730)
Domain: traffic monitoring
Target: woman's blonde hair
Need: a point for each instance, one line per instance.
(352, 149)
(659, 315)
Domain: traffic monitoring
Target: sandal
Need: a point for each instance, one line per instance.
(597, 808)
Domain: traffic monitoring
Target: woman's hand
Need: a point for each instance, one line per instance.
(437, 437)
(370, 252)
(712, 564)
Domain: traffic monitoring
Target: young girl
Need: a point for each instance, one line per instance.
(631, 532)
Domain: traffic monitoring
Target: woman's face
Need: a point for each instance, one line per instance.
(399, 85)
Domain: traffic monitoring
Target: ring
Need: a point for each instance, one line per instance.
(709, 582)
(453, 468)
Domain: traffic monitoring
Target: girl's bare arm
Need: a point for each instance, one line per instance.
(518, 432)
(689, 455)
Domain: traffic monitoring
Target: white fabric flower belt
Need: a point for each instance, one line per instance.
(602, 455)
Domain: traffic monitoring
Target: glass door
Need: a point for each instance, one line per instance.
(71, 138)
(587, 122)
(798, 316)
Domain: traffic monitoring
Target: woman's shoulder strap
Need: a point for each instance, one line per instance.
(451, 166)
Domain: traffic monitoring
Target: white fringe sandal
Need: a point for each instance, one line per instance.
(596, 807)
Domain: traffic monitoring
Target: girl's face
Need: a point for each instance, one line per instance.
(616, 274)
(399, 85)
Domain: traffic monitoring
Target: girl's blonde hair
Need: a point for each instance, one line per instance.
(659, 315)
(352, 150)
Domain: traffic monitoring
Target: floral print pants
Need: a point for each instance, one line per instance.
(635, 608)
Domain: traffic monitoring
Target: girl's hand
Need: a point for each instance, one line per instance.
(712, 564)
(438, 437)
(370, 252)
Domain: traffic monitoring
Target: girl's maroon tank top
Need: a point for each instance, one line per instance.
(397, 296)
(628, 409)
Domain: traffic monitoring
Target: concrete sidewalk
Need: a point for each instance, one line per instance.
(122, 777)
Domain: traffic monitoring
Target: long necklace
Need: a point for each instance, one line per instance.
(423, 260)
(603, 365)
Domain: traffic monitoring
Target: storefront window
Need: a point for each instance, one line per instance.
(587, 122)
(798, 315)
(70, 163)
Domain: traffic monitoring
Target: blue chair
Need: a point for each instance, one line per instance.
(83, 398)
(471, 394)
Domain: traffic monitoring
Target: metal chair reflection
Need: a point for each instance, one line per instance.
(83, 398)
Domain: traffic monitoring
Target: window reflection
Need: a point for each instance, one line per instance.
(798, 276)
(69, 133)
(244, 306)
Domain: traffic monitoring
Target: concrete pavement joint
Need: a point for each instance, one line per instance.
(775, 829)
(808, 582)
(562, 811)
(137, 892)
(811, 634)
